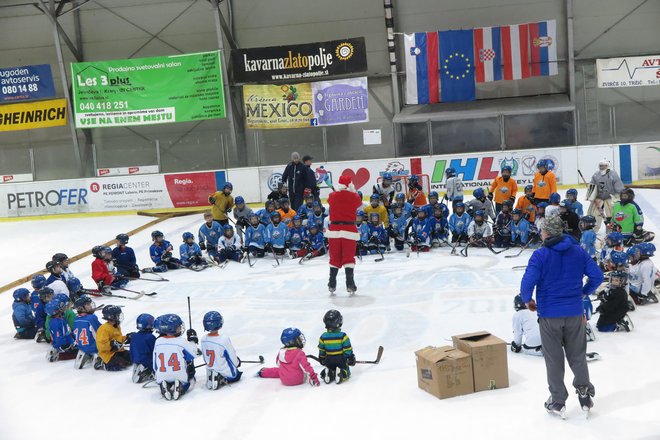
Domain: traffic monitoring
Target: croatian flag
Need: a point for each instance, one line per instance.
(543, 47)
(515, 51)
(422, 76)
(487, 54)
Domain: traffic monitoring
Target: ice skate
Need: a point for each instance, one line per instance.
(332, 282)
(555, 408)
(585, 398)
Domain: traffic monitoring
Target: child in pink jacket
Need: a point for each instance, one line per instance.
(292, 365)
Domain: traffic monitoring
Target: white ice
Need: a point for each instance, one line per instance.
(403, 304)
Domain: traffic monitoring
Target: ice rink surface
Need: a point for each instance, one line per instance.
(403, 304)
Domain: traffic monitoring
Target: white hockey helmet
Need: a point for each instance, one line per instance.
(603, 166)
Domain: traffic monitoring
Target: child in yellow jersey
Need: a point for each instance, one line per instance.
(110, 340)
(222, 202)
(375, 206)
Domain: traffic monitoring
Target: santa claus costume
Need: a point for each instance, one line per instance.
(342, 233)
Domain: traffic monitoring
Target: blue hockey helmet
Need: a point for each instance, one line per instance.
(633, 252)
(614, 239)
(45, 294)
(213, 321)
(188, 236)
(529, 188)
(618, 257)
(375, 197)
(53, 307)
(38, 282)
(387, 176)
(228, 185)
(400, 196)
(226, 228)
(479, 193)
(518, 303)
(275, 214)
(555, 198)
(360, 213)
(157, 324)
(572, 192)
(543, 163)
(434, 194)
(296, 219)
(269, 203)
(112, 313)
(517, 212)
(459, 205)
(283, 201)
(646, 249)
(450, 172)
(239, 200)
(566, 204)
(292, 337)
(316, 204)
(145, 322)
(62, 297)
(542, 205)
(21, 294)
(170, 325)
(157, 234)
(82, 302)
(74, 285)
(374, 216)
(413, 178)
(479, 213)
(314, 227)
(507, 168)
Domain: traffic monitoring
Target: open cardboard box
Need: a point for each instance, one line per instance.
(489, 360)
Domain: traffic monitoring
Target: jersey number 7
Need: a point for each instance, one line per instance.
(172, 362)
(211, 356)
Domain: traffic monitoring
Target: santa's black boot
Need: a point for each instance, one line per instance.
(350, 282)
(332, 282)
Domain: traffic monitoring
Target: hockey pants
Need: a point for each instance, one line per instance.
(342, 252)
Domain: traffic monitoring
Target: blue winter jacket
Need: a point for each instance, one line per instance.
(556, 270)
(22, 315)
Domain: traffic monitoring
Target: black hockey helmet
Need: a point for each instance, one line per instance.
(518, 303)
(333, 319)
(122, 238)
(97, 250)
(112, 313)
(60, 257)
(46, 294)
(629, 196)
(156, 234)
(51, 265)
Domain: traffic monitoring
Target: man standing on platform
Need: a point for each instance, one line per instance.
(342, 233)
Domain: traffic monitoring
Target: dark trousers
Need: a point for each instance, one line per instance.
(334, 362)
(118, 361)
(564, 337)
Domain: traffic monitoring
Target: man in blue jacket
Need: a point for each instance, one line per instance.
(556, 269)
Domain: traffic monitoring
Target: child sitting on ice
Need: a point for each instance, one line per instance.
(142, 348)
(335, 350)
(292, 366)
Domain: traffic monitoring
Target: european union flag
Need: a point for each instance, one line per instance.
(457, 81)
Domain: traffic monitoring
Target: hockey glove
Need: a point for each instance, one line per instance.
(638, 232)
(128, 337)
(202, 246)
(490, 196)
(166, 257)
(351, 360)
(212, 200)
(115, 345)
(515, 347)
(192, 336)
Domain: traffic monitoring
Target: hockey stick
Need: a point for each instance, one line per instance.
(519, 267)
(183, 266)
(141, 292)
(277, 260)
(533, 239)
(189, 315)
(382, 257)
(112, 295)
(490, 248)
(582, 177)
(379, 355)
(464, 251)
(249, 260)
(150, 271)
(140, 279)
(260, 361)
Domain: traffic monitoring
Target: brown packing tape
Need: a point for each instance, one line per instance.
(160, 218)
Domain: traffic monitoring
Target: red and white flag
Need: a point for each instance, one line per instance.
(515, 51)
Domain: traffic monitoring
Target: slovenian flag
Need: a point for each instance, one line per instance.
(543, 47)
(422, 68)
(487, 54)
(515, 51)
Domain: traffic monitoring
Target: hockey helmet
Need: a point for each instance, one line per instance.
(479, 193)
(38, 282)
(122, 239)
(333, 320)
(145, 322)
(212, 321)
(20, 295)
(112, 313)
(292, 337)
(239, 200)
(518, 303)
(84, 304)
(170, 325)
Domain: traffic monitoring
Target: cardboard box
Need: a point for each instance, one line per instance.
(444, 371)
(489, 360)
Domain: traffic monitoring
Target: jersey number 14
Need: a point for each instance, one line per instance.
(173, 362)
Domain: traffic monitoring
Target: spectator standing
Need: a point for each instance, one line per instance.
(294, 177)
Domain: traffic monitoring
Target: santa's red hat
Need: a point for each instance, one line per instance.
(345, 183)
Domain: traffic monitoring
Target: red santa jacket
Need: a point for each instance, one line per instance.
(100, 272)
(343, 209)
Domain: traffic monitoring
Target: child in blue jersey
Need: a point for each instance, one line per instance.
(378, 238)
(255, 237)
(61, 336)
(316, 241)
(576, 206)
(276, 233)
(306, 208)
(123, 258)
(613, 242)
(219, 354)
(502, 226)
(363, 231)
(588, 239)
(398, 227)
(191, 254)
(40, 298)
(161, 253)
(208, 236)
(406, 208)
(438, 226)
(22, 316)
(264, 214)
(296, 237)
(458, 223)
(421, 233)
(84, 330)
(520, 228)
(317, 216)
(230, 245)
(142, 349)
(335, 350)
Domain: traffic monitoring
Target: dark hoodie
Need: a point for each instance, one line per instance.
(556, 270)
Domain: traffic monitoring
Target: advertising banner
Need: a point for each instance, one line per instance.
(300, 61)
(278, 106)
(629, 71)
(127, 193)
(127, 171)
(31, 115)
(146, 91)
(648, 161)
(25, 83)
(343, 101)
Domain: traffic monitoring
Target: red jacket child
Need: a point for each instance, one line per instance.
(291, 361)
(100, 272)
